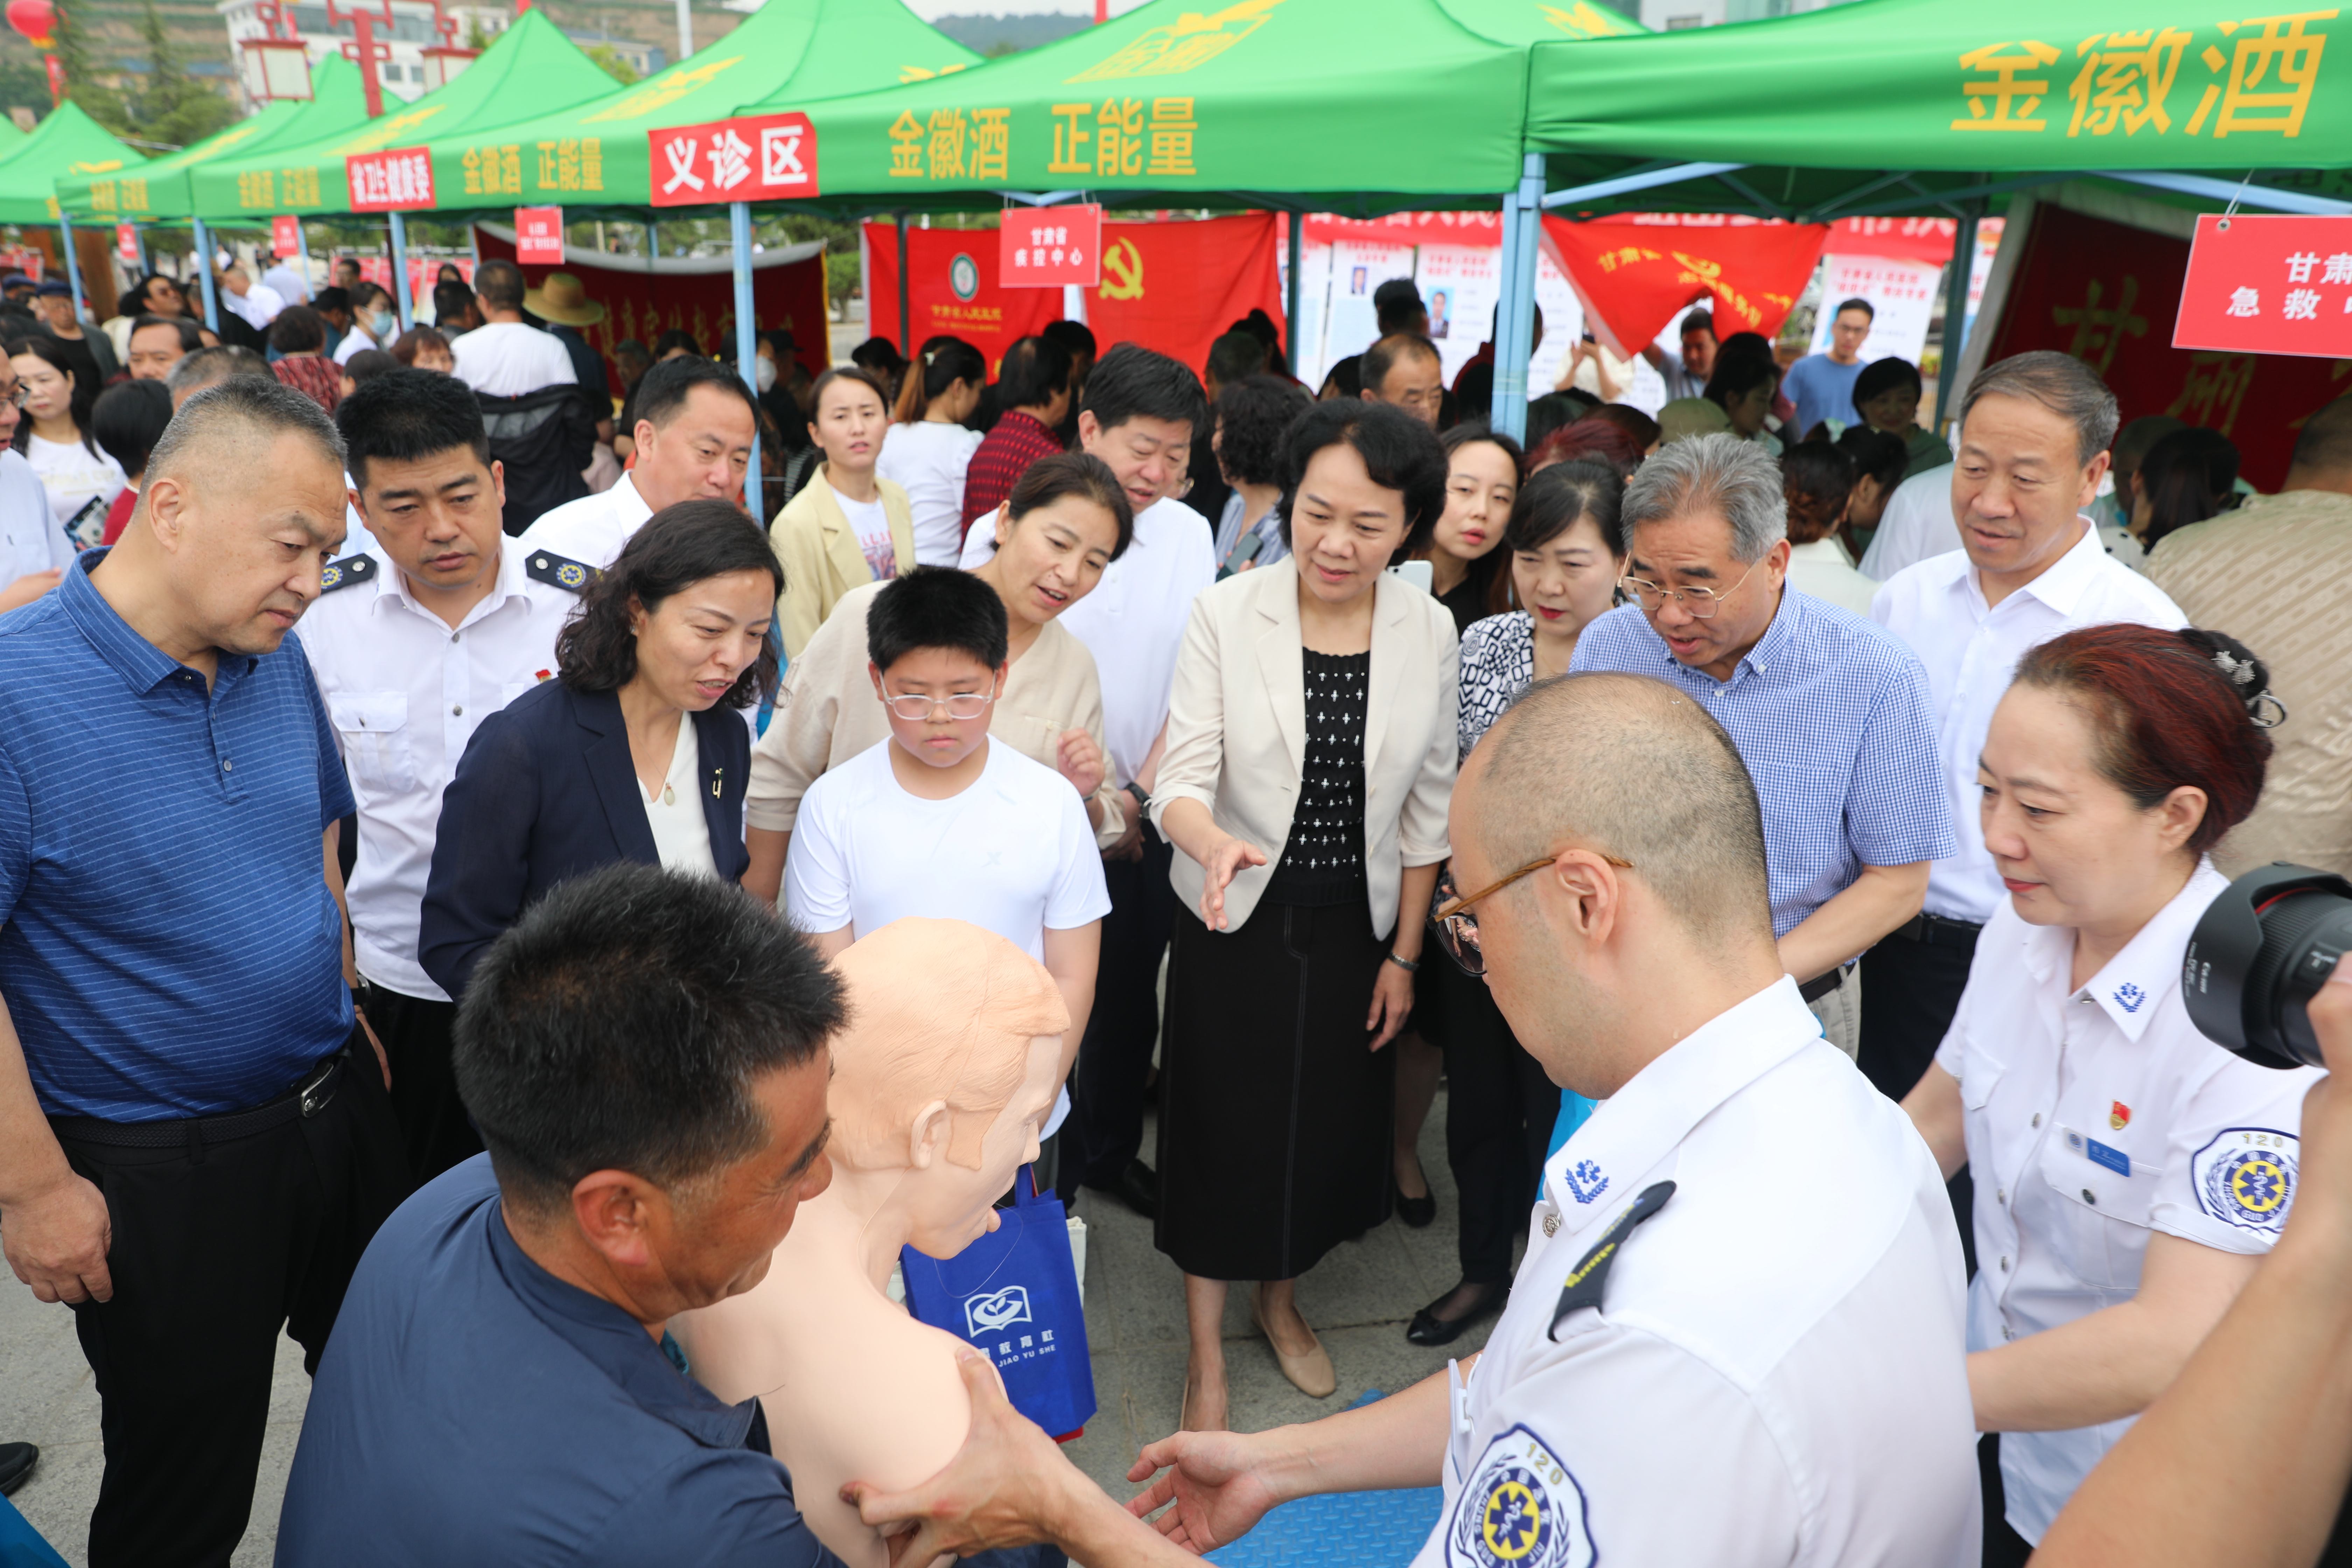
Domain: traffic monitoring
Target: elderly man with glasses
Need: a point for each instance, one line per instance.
(1831, 713)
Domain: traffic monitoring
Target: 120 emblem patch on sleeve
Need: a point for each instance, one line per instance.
(1521, 1509)
(2245, 1177)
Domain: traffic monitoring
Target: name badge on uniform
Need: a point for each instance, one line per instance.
(2099, 1153)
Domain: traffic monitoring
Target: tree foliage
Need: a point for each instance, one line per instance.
(164, 107)
(615, 66)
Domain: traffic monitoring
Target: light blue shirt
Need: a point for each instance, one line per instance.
(1821, 389)
(1831, 713)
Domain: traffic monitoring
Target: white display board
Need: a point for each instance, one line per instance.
(1902, 292)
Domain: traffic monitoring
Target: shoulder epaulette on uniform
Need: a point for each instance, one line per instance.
(350, 569)
(1585, 1282)
(546, 566)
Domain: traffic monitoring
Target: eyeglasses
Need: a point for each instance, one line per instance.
(17, 393)
(1457, 928)
(1699, 603)
(962, 705)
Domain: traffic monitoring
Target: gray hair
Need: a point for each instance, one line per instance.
(203, 366)
(1709, 473)
(2060, 383)
(241, 409)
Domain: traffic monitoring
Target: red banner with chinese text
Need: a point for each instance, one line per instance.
(2105, 293)
(1637, 272)
(399, 180)
(1901, 238)
(1049, 248)
(752, 158)
(2270, 284)
(788, 294)
(1173, 287)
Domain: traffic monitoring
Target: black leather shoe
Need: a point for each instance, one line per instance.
(1416, 1211)
(1428, 1329)
(16, 1464)
(1138, 1187)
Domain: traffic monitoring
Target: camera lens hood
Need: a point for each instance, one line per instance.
(2241, 979)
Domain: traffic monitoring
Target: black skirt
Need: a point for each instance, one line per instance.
(1275, 1112)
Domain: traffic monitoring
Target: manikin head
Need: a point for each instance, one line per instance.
(943, 1078)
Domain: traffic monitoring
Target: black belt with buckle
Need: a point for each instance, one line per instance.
(1820, 985)
(1935, 930)
(306, 1099)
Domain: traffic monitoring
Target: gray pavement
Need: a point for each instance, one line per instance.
(1359, 1298)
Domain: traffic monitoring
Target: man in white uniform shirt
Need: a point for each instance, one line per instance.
(2034, 433)
(506, 356)
(1735, 1338)
(442, 623)
(1138, 416)
(258, 303)
(695, 425)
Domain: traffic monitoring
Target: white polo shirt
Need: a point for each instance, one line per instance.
(404, 693)
(1133, 623)
(2097, 1115)
(1971, 649)
(592, 529)
(1773, 1374)
(1917, 525)
(506, 359)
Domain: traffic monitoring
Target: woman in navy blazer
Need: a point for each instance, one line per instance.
(638, 752)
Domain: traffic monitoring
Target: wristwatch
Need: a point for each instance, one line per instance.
(1142, 797)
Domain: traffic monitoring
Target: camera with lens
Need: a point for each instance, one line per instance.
(2260, 953)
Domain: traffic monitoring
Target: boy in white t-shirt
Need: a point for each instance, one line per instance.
(938, 820)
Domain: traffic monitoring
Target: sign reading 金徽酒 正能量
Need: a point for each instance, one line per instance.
(752, 158)
(2265, 284)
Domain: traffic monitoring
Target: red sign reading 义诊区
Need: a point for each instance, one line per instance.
(1045, 248)
(2270, 284)
(756, 157)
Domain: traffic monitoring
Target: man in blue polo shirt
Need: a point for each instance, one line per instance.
(645, 1054)
(187, 1157)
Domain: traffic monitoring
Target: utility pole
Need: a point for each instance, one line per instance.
(364, 50)
(686, 27)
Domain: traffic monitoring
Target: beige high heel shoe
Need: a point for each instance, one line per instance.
(1311, 1373)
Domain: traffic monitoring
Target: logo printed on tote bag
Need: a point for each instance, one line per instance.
(991, 1310)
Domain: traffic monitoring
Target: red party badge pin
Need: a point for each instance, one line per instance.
(2119, 1115)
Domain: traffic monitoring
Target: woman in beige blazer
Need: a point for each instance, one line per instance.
(1309, 761)
(847, 526)
(1063, 524)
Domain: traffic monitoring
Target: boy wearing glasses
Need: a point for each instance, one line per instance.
(940, 822)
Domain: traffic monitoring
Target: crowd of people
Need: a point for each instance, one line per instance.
(1932, 749)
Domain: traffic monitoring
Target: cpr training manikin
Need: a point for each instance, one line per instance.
(941, 1080)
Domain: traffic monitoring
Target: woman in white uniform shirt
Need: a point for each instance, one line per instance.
(2129, 1173)
(927, 449)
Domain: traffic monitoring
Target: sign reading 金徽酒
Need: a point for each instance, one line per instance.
(539, 236)
(1045, 248)
(398, 180)
(758, 157)
(2273, 285)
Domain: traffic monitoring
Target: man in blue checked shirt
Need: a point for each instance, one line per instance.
(1830, 712)
(195, 1143)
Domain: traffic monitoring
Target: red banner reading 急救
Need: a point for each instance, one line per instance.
(2265, 284)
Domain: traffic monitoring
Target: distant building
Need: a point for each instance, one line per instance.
(1675, 16)
(412, 33)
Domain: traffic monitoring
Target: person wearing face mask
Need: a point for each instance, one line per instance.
(633, 753)
(373, 325)
(694, 426)
(1310, 751)
(926, 450)
(2129, 1175)
(849, 526)
(1064, 525)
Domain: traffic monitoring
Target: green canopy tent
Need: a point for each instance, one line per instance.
(529, 72)
(67, 142)
(164, 188)
(11, 139)
(1939, 109)
(595, 157)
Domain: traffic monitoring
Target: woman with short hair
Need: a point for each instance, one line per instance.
(849, 525)
(299, 335)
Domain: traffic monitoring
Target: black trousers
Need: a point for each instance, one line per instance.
(1499, 1107)
(1909, 991)
(434, 1126)
(1105, 1129)
(215, 1249)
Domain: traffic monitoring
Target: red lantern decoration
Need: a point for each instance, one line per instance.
(35, 19)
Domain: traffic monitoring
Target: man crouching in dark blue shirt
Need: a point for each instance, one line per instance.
(645, 1054)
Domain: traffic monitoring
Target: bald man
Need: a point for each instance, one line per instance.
(1736, 1337)
(192, 1150)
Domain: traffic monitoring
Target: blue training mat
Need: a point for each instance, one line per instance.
(21, 1546)
(1344, 1530)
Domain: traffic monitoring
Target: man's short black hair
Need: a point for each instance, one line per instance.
(129, 420)
(1399, 452)
(191, 340)
(1397, 306)
(407, 416)
(1075, 336)
(936, 606)
(1236, 356)
(662, 392)
(1699, 322)
(621, 1023)
(450, 303)
(1869, 310)
(498, 284)
(329, 300)
(1132, 383)
(1384, 355)
(1033, 371)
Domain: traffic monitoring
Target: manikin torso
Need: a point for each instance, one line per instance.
(855, 1388)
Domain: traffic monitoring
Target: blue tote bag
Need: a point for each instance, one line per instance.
(1013, 1295)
